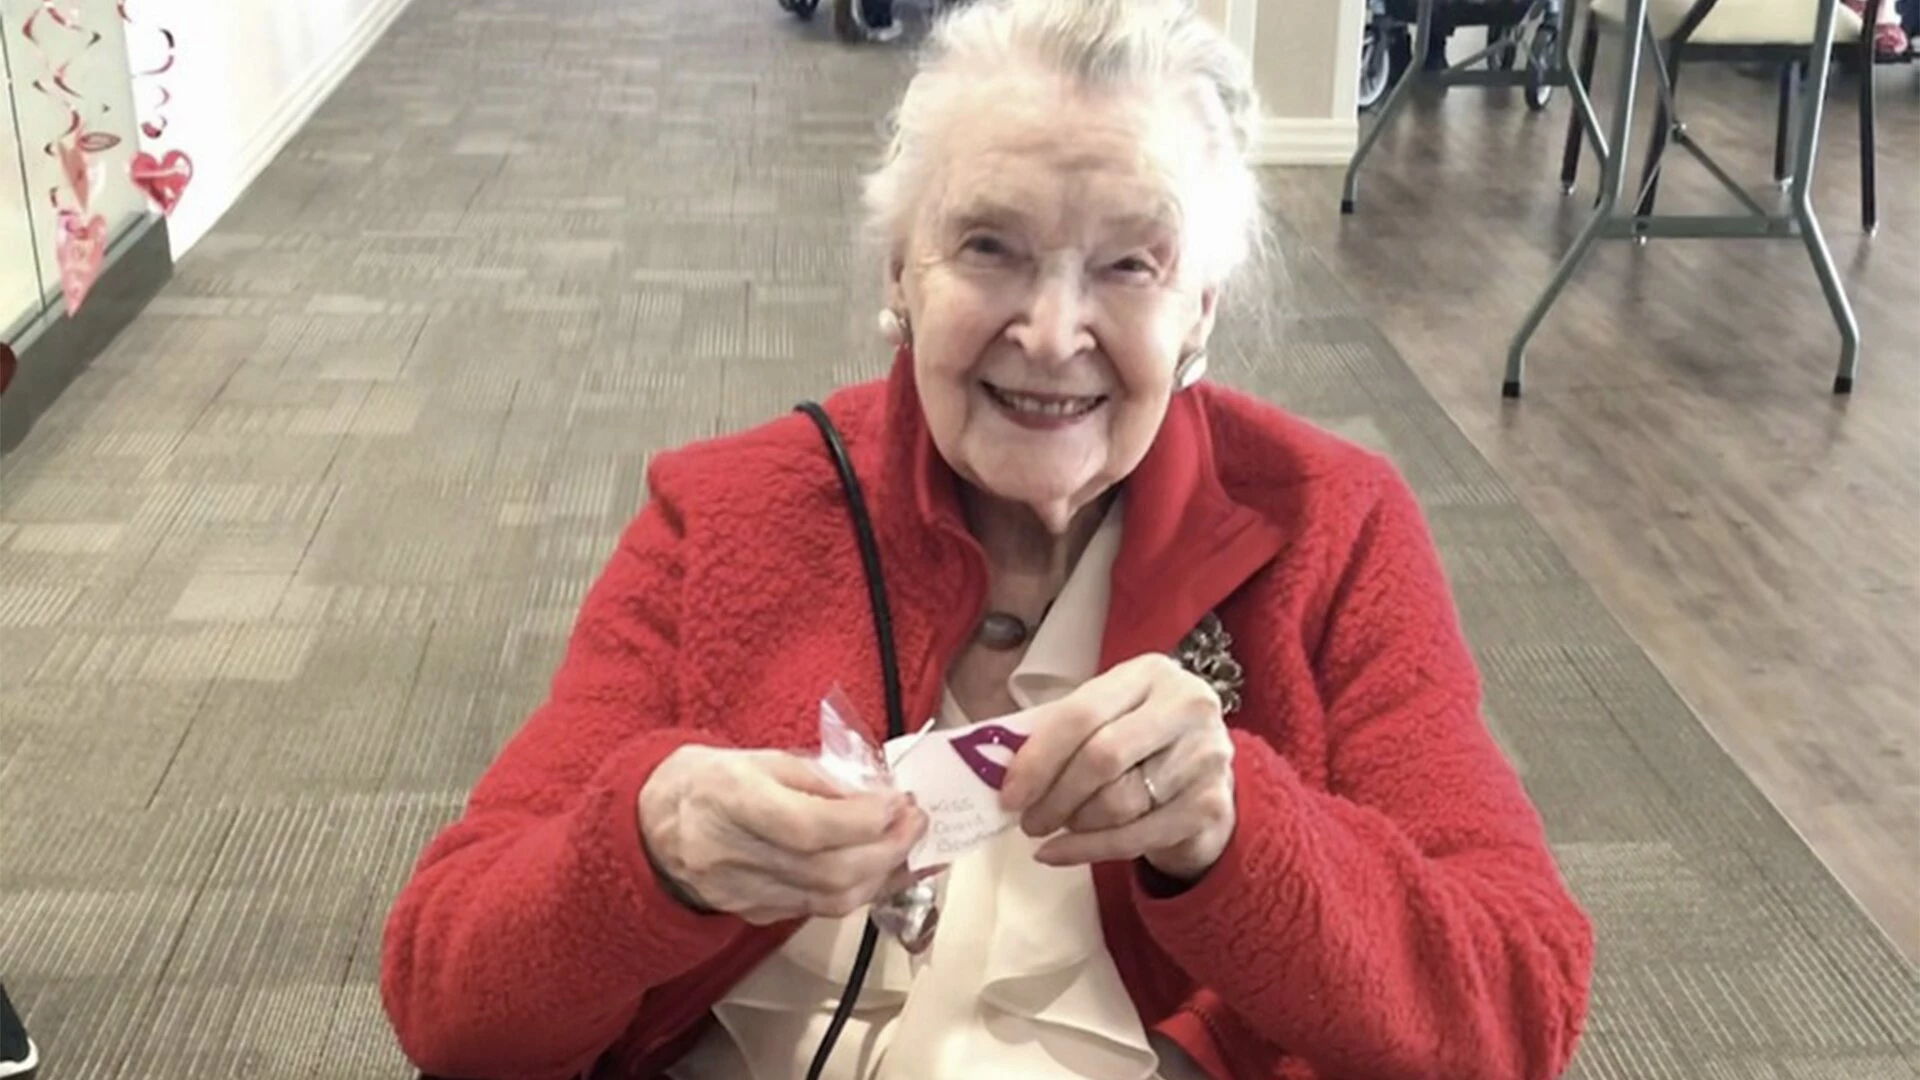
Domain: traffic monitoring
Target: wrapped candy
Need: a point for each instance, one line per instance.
(845, 755)
(851, 762)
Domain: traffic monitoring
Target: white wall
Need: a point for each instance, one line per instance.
(1306, 61)
(249, 73)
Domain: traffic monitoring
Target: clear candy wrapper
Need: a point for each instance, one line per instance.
(845, 756)
(855, 765)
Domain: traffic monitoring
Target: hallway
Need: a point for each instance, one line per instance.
(285, 566)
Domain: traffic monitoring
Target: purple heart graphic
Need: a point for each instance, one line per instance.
(972, 749)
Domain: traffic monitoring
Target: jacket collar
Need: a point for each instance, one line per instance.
(1186, 544)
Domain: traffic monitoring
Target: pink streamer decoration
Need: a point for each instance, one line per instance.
(80, 241)
(80, 249)
(73, 165)
(164, 179)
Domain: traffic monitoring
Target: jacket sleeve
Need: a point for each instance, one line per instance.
(533, 925)
(1410, 922)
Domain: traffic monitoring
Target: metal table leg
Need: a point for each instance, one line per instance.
(1612, 183)
(1577, 86)
(1397, 99)
(1800, 193)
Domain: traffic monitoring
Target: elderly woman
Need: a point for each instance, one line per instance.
(1299, 854)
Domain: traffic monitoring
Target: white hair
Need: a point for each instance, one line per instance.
(1157, 48)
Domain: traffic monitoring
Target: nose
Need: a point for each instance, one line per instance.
(1055, 323)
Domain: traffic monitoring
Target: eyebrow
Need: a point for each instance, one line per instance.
(988, 215)
(1146, 222)
(995, 215)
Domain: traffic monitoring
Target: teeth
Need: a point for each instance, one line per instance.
(1043, 406)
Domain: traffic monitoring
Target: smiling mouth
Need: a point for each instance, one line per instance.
(1053, 406)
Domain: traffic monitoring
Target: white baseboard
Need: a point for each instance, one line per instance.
(216, 194)
(1303, 141)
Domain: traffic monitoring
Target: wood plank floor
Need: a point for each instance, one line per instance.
(1760, 537)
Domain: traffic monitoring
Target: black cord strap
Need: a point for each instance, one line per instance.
(890, 682)
(870, 559)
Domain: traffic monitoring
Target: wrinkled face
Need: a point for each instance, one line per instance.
(1044, 283)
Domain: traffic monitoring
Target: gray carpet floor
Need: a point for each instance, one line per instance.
(285, 566)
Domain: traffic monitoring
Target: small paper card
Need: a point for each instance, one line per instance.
(955, 776)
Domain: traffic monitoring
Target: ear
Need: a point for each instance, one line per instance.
(1202, 329)
(896, 281)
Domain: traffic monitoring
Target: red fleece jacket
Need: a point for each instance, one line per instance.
(1386, 910)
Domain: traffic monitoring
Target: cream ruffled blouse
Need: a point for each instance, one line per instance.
(1018, 980)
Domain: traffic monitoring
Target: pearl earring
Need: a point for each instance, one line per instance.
(895, 328)
(1192, 370)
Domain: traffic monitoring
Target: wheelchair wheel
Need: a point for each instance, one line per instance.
(1376, 66)
(1541, 58)
(799, 9)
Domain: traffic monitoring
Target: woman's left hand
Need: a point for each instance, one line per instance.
(1135, 763)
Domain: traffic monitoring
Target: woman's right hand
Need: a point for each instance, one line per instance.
(761, 834)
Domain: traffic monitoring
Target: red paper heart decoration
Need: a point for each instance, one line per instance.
(9, 363)
(80, 250)
(73, 162)
(163, 179)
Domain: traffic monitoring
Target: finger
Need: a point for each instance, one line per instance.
(765, 805)
(1061, 726)
(759, 880)
(1104, 759)
(1193, 757)
(1175, 734)
(863, 866)
(1117, 803)
(801, 773)
(1164, 828)
(765, 885)
(868, 879)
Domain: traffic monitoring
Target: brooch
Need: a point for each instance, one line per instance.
(1205, 651)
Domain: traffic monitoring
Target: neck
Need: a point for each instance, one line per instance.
(1020, 545)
